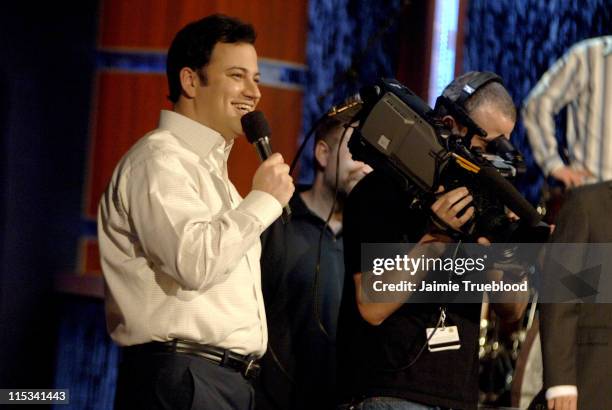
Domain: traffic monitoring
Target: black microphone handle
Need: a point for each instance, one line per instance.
(264, 150)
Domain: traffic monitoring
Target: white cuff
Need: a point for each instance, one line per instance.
(552, 164)
(558, 391)
(263, 206)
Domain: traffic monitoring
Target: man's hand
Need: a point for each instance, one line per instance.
(570, 177)
(449, 205)
(563, 403)
(273, 177)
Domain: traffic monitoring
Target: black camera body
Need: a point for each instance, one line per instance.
(401, 135)
(490, 219)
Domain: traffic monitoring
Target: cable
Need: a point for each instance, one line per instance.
(440, 320)
(309, 134)
(413, 361)
(317, 273)
(347, 74)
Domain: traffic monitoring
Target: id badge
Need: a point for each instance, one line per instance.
(444, 338)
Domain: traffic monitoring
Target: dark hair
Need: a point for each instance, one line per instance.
(325, 128)
(491, 93)
(193, 45)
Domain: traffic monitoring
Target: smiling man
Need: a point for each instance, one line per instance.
(179, 247)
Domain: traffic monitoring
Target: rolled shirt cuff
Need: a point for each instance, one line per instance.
(558, 391)
(263, 206)
(552, 164)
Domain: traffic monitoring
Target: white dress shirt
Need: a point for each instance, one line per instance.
(582, 81)
(179, 247)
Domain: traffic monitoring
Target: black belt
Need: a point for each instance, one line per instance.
(248, 366)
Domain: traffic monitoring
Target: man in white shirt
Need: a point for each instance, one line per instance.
(179, 247)
(581, 80)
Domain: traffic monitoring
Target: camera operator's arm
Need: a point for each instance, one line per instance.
(510, 312)
(513, 311)
(447, 207)
(376, 313)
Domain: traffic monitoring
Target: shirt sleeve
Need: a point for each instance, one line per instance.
(179, 232)
(361, 221)
(377, 211)
(560, 85)
(558, 391)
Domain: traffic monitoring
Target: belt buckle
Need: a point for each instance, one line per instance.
(251, 370)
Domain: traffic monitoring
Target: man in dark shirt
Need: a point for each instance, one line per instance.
(382, 356)
(299, 369)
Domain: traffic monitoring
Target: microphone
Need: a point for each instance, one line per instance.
(257, 132)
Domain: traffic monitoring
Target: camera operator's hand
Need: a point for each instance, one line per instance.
(512, 216)
(450, 204)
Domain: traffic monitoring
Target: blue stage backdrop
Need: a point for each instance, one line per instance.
(350, 43)
(87, 360)
(519, 40)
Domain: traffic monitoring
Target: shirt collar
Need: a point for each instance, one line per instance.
(199, 138)
(299, 209)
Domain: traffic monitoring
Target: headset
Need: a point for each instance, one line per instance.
(456, 106)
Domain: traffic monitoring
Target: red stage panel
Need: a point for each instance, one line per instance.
(127, 107)
(152, 24)
(90, 257)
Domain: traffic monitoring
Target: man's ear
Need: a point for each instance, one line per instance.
(322, 153)
(449, 122)
(452, 124)
(189, 82)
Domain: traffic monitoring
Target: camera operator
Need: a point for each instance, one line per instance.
(376, 341)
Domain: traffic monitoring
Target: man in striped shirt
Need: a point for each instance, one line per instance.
(582, 81)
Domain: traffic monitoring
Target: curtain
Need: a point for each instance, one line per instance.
(87, 359)
(350, 44)
(520, 40)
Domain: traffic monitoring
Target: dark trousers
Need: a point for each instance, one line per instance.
(174, 381)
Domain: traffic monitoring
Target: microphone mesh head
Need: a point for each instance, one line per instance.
(255, 126)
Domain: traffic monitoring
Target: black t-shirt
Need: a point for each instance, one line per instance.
(306, 354)
(378, 211)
